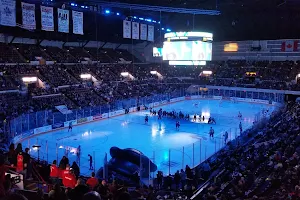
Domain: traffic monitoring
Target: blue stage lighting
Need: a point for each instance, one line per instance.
(134, 17)
(153, 21)
(168, 30)
(82, 6)
(141, 18)
(118, 14)
(72, 4)
(158, 22)
(107, 11)
(162, 29)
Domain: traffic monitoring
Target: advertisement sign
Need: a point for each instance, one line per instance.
(57, 125)
(42, 129)
(105, 115)
(82, 120)
(164, 102)
(90, 118)
(74, 122)
(156, 103)
(132, 109)
(96, 117)
(177, 99)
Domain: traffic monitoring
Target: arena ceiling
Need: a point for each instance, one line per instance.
(239, 20)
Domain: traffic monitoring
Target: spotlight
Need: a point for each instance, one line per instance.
(107, 11)
(118, 14)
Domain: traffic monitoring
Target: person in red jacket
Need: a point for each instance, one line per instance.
(54, 170)
(69, 180)
(20, 165)
(64, 172)
(92, 182)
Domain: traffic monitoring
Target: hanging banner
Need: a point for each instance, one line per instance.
(47, 20)
(28, 16)
(8, 13)
(77, 22)
(151, 33)
(143, 35)
(63, 20)
(126, 29)
(135, 30)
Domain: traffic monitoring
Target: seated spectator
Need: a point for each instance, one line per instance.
(103, 190)
(124, 196)
(78, 192)
(57, 193)
(92, 196)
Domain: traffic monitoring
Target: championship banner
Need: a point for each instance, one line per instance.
(47, 19)
(151, 33)
(135, 30)
(63, 20)
(8, 13)
(143, 35)
(77, 22)
(126, 29)
(28, 16)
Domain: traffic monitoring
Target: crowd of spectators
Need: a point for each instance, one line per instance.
(262, 164)
(264, 167)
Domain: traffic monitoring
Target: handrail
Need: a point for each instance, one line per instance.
(38, 174)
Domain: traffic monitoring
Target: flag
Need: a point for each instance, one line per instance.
(290, 45)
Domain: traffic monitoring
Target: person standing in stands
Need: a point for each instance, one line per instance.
(27, 163)
(182, 178)
(54, 171)
(177, 179)
(69, 180)
(226, 137)
(241, 128)
(92, 182)
(65, 172)
(63, 162)
(20, 164)
(91, 162)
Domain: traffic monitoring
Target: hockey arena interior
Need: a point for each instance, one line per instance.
(149, 100)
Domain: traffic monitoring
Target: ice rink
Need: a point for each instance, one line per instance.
(168, 148)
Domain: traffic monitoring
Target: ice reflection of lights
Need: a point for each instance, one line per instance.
(166, 155)
(156, 131)
(206, 115)
(124, 123)
(85, 134)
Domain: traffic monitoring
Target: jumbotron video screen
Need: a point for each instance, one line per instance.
(187, 50)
